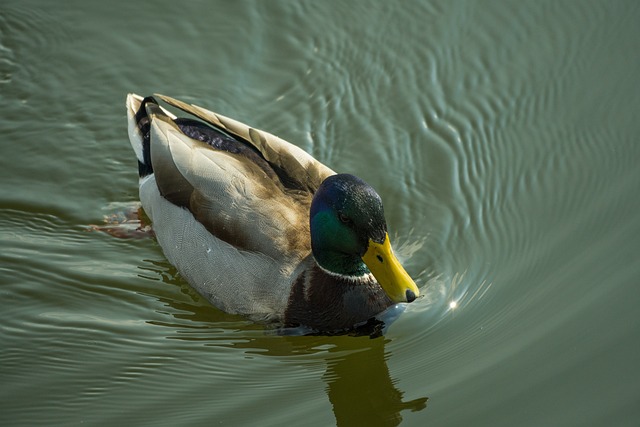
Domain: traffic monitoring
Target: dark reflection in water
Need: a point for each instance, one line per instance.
(361, 389)
(359, 384)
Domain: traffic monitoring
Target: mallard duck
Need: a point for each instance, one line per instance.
(258, 226)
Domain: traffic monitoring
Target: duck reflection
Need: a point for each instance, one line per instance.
(358, 383)
(360, 387)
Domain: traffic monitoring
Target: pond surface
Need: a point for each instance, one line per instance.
(501, 135)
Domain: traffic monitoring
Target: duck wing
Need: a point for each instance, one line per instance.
(296, 168)
(235, 196)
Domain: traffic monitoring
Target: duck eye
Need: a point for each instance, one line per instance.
(343, 218)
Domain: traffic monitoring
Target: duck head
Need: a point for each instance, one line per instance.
(349, 235)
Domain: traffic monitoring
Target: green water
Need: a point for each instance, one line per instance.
(501, 135)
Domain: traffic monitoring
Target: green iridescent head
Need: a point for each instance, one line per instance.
(349, 235)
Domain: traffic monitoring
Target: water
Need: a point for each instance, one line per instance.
(501, 135)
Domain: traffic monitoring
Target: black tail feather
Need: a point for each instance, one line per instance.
(144, 125)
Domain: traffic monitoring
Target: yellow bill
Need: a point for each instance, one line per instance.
(388, 271)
